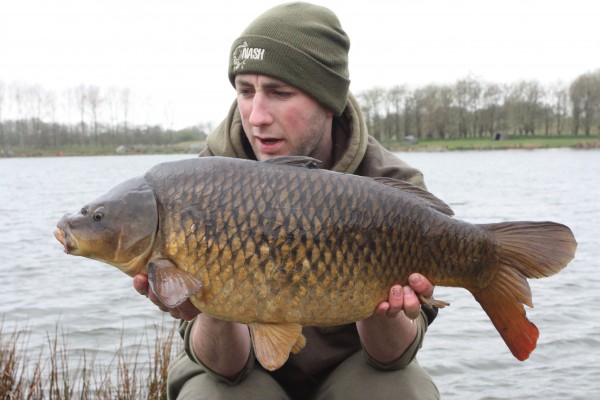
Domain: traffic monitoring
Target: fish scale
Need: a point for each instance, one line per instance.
(279, 245)
(375, 263)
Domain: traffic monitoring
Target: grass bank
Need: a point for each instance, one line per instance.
(138, 372)
(512, 142)
(93, 150)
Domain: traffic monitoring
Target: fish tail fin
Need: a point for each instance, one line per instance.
(526, 250)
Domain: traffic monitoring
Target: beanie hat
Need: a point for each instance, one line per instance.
(301, 44)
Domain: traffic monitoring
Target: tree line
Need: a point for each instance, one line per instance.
(471, 108)
(83, 116)
(86, 115)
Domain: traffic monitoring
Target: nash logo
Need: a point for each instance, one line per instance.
(243, 53)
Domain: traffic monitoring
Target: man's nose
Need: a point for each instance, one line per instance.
(260, 114)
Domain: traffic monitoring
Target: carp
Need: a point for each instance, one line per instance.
(280, 244)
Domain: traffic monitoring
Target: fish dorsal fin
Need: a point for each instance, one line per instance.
(416, 191)
(297, 161)
(171, 284)
(274, 342)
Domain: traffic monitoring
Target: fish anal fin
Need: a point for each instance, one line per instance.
(274, 342)
(431, 302)
(422, 194)
(171, 284)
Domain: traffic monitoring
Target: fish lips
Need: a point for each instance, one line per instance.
(61, 233)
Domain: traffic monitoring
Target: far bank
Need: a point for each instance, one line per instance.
(510, 142)
(423, 145)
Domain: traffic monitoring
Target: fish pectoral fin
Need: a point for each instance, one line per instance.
(171, 284)
(274, 342)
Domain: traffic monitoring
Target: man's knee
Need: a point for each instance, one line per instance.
(355, 379)
(189, 381)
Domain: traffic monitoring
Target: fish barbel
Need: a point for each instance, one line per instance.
(281, 244)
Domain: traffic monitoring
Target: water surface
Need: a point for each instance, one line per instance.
(96, 303)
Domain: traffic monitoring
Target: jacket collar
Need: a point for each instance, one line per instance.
(350, 137)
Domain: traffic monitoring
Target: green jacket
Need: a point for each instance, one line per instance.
(355, 152)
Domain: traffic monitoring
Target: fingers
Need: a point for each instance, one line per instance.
(140, 284)
(400, 299)
(412, 305)
(421, 285)
(395, 300)
(393, 306)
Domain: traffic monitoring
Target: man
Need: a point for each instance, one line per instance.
(290, 71)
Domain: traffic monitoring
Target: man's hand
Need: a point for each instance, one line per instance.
(185, 310)
(389, 331)
(405, 298)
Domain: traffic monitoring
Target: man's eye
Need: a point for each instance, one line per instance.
(280, 93)
(245, 92)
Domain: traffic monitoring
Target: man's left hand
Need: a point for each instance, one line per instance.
(405, 298)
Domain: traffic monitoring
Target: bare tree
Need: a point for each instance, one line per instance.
(17, 97)
(585, 98)
(559, 98)
(492, 100)
(125, 107)
(395, 99)
(3, 141)
(437, 109)
(79, 100)
(467, 93)
(112, 104)
(416, 105)
(94, 100)
(533, 93)
(372, 101)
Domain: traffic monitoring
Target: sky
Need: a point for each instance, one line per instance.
(173, 55)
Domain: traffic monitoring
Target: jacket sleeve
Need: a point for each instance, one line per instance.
(183, 367)
(380, 162)
(409, 354)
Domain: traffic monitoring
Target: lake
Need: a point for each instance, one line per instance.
(95, 304)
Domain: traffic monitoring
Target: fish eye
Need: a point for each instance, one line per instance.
(85, 211)
(98, 216)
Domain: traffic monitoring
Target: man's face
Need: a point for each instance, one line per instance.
(281, 120)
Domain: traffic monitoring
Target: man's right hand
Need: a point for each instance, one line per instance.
(185, 310)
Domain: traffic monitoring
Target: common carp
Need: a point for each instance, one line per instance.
(281, 244)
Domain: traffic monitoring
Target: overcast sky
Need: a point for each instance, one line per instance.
(173, 54)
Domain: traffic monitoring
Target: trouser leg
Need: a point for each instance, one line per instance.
(355, 379)
(195, 384)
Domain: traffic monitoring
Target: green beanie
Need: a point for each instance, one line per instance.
(301, 44)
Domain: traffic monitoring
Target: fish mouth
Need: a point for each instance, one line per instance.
(61, 236)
